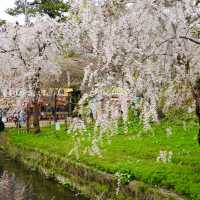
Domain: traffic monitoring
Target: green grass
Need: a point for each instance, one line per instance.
(134, 154)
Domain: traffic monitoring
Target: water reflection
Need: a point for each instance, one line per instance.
(16, 183)
(11, 190)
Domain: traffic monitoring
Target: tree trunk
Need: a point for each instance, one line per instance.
(195, 92)
(198, 114)
(27, 120)
(28, 124)
(198, 109)
(36, 120)
(196, 95)
(37, 91)
(70, 107)
(55, 108)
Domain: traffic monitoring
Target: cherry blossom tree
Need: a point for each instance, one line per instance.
(32, 51)
(147, 48)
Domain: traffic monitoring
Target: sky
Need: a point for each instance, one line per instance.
(4, 4)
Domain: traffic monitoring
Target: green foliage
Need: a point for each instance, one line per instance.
(134, 154)
(126, 176)
(100, 187)
(67, 184)
(2, 22)
(116, 90)
(53, 8)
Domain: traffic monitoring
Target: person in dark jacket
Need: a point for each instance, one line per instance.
(2, 126)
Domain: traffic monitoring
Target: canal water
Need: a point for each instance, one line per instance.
(17, 183)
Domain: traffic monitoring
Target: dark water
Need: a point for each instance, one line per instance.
(17, 183)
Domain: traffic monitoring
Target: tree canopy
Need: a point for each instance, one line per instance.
(53, 8)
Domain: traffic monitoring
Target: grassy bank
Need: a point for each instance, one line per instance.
(133, 154)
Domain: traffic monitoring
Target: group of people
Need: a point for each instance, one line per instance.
(19, 118)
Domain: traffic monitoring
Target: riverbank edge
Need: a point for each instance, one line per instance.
(89, 181)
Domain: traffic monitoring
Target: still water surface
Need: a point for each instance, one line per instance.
(17, 183)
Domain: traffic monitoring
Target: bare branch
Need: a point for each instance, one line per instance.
(190, 39)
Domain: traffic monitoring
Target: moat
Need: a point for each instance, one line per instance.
(18, 183)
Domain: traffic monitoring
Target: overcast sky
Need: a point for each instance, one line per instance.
(4, 4)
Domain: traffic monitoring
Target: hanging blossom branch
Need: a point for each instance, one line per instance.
(143, 39)
(32, 51)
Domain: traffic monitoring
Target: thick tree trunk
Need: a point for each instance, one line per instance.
(36, 119)
(198, 114)
(195, 92)
(37, 91)
(198, 108)
(196, 95)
